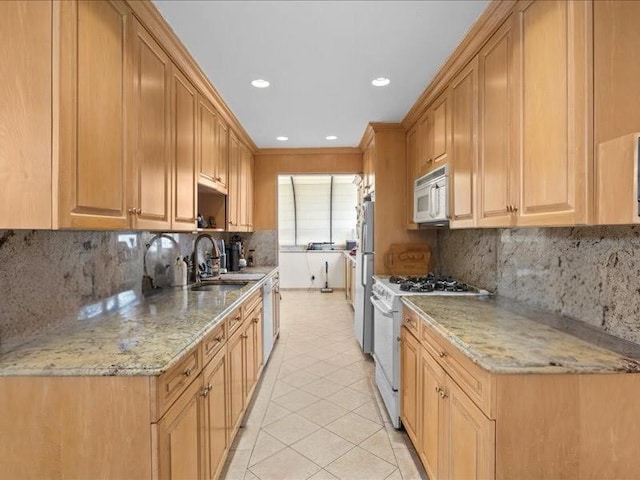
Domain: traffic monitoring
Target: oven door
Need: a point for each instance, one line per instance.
(385, 341)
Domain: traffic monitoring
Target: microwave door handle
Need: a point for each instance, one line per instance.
(433, 194)
(438, 209)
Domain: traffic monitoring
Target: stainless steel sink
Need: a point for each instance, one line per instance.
(218, 285)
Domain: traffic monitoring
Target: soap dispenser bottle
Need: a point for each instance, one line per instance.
(179, 273)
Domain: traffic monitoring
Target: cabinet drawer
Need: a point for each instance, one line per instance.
(251, 302)
(412, 322)
(175, 380)
(214, 341)
(234, 320)
(476, 382)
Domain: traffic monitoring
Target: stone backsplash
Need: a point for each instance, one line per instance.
(47, 276)
(588, 273)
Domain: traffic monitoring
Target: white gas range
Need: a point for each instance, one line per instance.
(386, 297)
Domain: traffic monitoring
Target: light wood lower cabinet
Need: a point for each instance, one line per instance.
(178, 425)
(467, 423)
(410, 398)
(180, 437)
(214, 413)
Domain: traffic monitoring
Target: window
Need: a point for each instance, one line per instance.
(316, 208)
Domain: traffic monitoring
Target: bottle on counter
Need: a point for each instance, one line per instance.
(179, 273)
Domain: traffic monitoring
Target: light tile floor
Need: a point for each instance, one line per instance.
(317, 414)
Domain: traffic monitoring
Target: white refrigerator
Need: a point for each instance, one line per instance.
(363, 320)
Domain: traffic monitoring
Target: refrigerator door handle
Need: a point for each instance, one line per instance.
(362, 266)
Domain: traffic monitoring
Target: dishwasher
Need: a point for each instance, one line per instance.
(267, 318)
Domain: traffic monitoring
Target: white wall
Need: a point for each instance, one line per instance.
(297, 267)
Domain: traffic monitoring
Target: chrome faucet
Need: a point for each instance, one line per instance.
(215, 256)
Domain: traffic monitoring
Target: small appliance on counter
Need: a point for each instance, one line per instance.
(234, 254)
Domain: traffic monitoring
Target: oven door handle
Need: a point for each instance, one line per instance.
(380, 306)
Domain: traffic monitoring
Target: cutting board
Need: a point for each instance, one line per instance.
(408, 258)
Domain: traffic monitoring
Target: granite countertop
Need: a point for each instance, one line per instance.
(506, 337)
(127, 334)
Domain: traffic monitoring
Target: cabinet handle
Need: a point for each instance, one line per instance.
(138, 211)
(508, 208)
(438, 389)
(246, 335)
(514, 208)
(206, 390)
(256, 320)
(398, 339)
(443, 393)
(187, 372)
(219, 339)
(219, 179)
(442, 354)
(132, 211)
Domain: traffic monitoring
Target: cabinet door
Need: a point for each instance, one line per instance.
(412, 174)
(276, 310)
(556, 105)
(215, 426)
(25, 116)
(184, 109)
(409, 384)
(468, 438)
(440, 131)
(207, 142)
(257, 340)
(179, 440)
(497, 163)
(464, 153)
(95, 96)
(425, 143)
(233, 197)
(221, 163)
(236, 380)
(250, 169)
(432, 383)
(151, 175)
(250, 361)
(616, 40)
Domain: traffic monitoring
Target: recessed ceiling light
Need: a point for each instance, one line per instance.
(282, 139)
(380, 81)
(260, 83)
(331, 137)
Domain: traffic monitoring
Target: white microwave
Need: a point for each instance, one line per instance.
(431, 198)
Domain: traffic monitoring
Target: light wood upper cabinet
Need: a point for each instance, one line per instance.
(26, 113)
(464, 152)
(497, 180)
(183, 151)
(233, 197)
(440, 131)
(213, 147)
(151, 158)
(222, 157)
(412, 174)
(434, 133)
(616, 41)
(555, 104)
(96, 89)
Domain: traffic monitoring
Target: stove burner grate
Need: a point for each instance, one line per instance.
(429, 283)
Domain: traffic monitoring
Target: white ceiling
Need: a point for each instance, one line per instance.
(320, 57)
